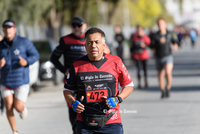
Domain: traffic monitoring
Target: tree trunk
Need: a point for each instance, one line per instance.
(86, 10)
(112, 11)
(55, 23)
(75, 5)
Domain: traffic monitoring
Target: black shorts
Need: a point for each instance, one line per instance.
(115, 128)
(161, 62)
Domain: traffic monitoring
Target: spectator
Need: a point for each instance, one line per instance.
(139, 42)
(119, 38)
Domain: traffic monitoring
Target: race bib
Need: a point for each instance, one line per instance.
(95, 94)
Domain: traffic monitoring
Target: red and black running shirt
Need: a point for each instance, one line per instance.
(93, 79)
(72, 47)
(137, 52)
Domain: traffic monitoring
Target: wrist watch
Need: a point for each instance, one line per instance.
(120, 99)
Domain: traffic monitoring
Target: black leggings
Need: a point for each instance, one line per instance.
(120, 52)
(141, 64)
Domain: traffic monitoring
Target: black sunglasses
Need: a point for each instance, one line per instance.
(76, 25)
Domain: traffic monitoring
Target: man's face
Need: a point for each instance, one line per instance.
(140, 31)
(9, 32)
(78, 29)
(162, 25)
(117, 29)
(95, 46)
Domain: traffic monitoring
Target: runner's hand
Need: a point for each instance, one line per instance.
(175, 47)
(111, 102)
(142, 45)
(162, 40)
(22, 61)
(66, 72)
(77, 106)
(2, 62)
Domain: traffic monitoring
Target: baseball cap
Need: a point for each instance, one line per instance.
(9, 23)
(78, 20)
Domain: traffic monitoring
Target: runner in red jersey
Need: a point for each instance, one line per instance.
(95, 78)
(139, 41)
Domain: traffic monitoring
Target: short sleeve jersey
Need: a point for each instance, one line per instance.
(93, 79)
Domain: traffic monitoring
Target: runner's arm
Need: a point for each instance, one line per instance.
(125, 81)
(126, 91)
(175, 47)
(69, 89)
(70, 99)
(68, 96)
(174, 41)
(55, 56)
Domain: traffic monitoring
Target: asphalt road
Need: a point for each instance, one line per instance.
(143, 112)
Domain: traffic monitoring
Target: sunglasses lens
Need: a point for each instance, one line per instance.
(76, 25)
(80, 25)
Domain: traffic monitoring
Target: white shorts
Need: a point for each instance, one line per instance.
(21, 93)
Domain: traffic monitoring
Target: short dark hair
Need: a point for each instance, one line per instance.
(139, 26)
(94, 30)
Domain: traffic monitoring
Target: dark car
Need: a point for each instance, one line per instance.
(47, 71)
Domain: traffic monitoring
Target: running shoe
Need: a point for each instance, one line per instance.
(24, 113)
(139, 86)
(14, 132)
(167, 93)
(162, 94)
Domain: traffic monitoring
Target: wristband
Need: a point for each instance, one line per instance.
(112, 102)
(74, 105)
(119, 99)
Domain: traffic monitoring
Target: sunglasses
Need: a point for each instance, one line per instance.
(76, 25)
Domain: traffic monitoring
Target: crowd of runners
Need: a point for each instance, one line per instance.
(91, 73)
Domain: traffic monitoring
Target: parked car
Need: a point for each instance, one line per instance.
(47, 70)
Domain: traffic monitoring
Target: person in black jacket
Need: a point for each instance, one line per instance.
(119, 38)
(72, 46)
(161, 45)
